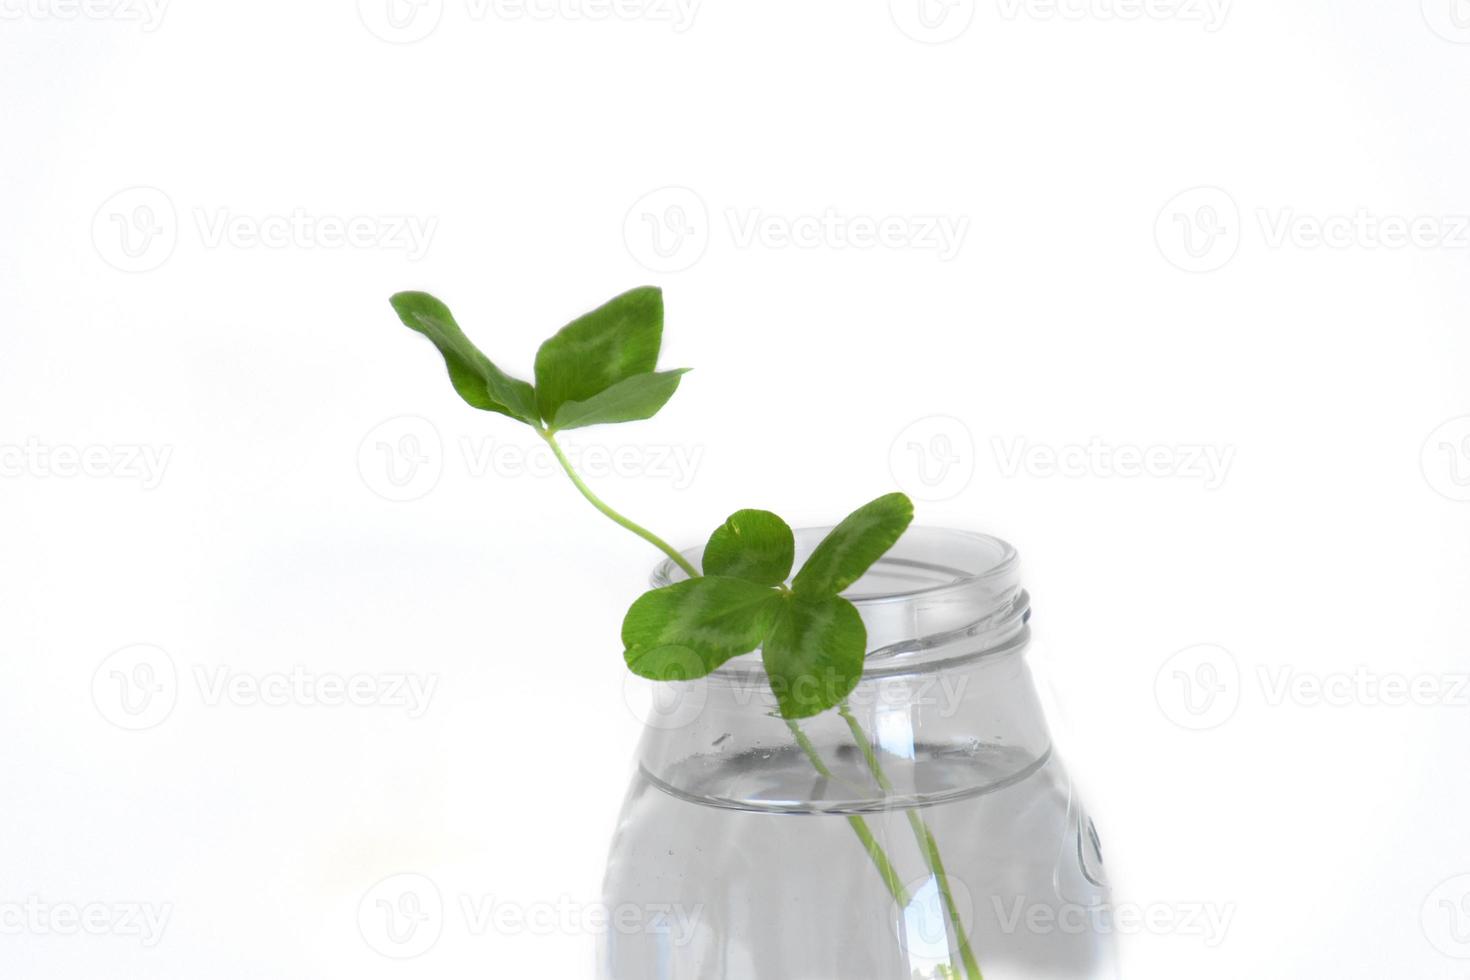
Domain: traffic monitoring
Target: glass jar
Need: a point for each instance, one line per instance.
(925, 829)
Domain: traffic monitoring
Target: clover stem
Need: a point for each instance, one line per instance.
(611, 514)
(928, 846)
(886, 871)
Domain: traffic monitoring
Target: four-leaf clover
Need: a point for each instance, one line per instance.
(812, 640)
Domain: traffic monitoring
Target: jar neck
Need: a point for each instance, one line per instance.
(947, 731)
(945, 698)
(936, 594)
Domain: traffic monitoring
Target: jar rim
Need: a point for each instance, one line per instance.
(936, 595)
(1001, 562)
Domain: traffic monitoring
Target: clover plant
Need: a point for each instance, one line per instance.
(602, 368)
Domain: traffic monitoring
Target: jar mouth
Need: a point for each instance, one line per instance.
(925, 561)
(935, 588)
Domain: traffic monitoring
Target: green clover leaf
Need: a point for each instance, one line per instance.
(478, 381)
(852, 546)
(814, 653)
(713, 618)
(813, 642)
(755, 545)
(590, 356)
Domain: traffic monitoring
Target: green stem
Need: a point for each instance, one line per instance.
(886, 871)
(928, 846)
(880, 859)
(613, 515)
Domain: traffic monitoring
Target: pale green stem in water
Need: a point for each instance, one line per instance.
(859, 826)
(928, 846)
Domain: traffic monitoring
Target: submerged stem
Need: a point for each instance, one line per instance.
(928, 846)
(886, 871)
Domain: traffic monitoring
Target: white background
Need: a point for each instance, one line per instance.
(170, 181)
